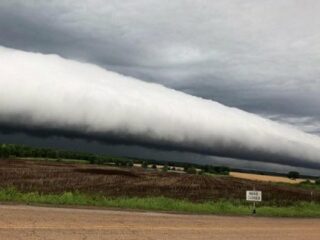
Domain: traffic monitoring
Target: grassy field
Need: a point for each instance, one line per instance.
(301, 209)
(75, 183)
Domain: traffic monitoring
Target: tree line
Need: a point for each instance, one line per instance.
(23, 151)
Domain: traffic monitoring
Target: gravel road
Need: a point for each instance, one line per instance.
(27, 222)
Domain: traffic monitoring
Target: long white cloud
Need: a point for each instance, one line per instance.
(51, 93)
(260, 55)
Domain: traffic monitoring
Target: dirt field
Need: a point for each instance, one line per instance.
(265, 178)
(38, 223)
(54, 177)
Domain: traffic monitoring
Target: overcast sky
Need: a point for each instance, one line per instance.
(259, 56)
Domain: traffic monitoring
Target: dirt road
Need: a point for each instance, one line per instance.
(25, 222)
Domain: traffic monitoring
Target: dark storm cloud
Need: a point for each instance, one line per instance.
(237, 152)
(147, 153)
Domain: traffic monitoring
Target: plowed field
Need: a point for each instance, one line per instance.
(53, 177)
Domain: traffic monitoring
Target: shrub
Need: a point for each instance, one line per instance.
(165, 168)
(191, 170)
(144, 164)
(307, 182)
(130, 163)
(293, 175)
(216, 169)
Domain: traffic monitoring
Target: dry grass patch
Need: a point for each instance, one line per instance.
(266, 178)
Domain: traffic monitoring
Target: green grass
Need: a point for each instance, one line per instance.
(302, 209)
(309, 186)
(302, 185)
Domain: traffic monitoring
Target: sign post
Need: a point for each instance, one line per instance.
(254, 196)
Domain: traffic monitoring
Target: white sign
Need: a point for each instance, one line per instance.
(254, 196)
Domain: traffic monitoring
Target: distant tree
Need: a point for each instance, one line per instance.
(216, 169)
(4, 151)
(307, 182)
(186, 167)
(144, 164)
(165, 168)
(317, 181)
(224, 170)
(154, 166)
(207, 168)
(123, 163)
(191, 170)
(130, 163)
(293, 175)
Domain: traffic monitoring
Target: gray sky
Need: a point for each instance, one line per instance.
(259, 56)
